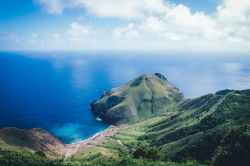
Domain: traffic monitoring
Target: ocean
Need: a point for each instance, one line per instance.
(53, 90)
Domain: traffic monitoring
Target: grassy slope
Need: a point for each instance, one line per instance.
(30, 141)
(122, 144)
(191, 129)
(143, 97)
(9, 139)
(15, 158)
(188, 130)
(201, 125)
(203, 128)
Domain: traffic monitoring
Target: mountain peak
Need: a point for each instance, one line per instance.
(153, 76)
(159, 75)
(138, 99)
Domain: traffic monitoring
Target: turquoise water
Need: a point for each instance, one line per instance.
(53, 90)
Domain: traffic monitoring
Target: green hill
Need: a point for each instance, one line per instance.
(191, 129)
(137, 100)
(197, 128)
(213, 129)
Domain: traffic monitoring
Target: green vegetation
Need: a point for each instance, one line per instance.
(34, 140)
(163, 130)
(14, 158)
(234, 148)
(138, 100)
(190, 129)
(201, 126)
(138, 162)
(147, 153)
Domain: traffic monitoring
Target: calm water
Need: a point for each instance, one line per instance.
(54, 90)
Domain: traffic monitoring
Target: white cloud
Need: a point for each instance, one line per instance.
(160, 24)
(55, 37)
(128, 32)
(78, 32)
(52, 6)
(228, 28)
(234, 11)
(180, 20)
(234, 17)
(123, 8)
(178, 23)
(171, 36)
(34, 39)
(9, 38)
(153, 23)
(106, 8)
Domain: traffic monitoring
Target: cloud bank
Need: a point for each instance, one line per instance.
(159, 24)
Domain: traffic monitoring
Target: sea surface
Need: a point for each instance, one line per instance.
(53, 90)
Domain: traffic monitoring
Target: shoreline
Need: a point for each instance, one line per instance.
(53, 144)
(92, 137)
(98, 138)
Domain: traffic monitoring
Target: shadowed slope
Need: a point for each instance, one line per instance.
(33, 140)
(196, 131)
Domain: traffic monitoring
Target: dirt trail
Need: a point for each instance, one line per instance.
(70, 150)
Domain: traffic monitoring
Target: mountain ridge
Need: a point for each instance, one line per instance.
(136, 100)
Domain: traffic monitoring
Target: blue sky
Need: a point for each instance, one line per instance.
(182, 25)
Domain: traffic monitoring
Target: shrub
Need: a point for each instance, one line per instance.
(234, 148)
(147, 153)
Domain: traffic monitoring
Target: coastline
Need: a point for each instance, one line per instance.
(92, 137)
(98, 138)
(51, 144)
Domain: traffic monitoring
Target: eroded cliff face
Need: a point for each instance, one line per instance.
(137, 100)
(34, 140)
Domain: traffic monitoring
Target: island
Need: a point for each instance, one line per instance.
(151, 123)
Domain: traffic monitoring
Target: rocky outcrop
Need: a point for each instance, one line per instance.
(138, 99)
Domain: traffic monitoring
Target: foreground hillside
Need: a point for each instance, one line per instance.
(210, 130)
(198, 127)
(34, 140)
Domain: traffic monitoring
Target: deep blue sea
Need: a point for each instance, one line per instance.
(53, 90)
